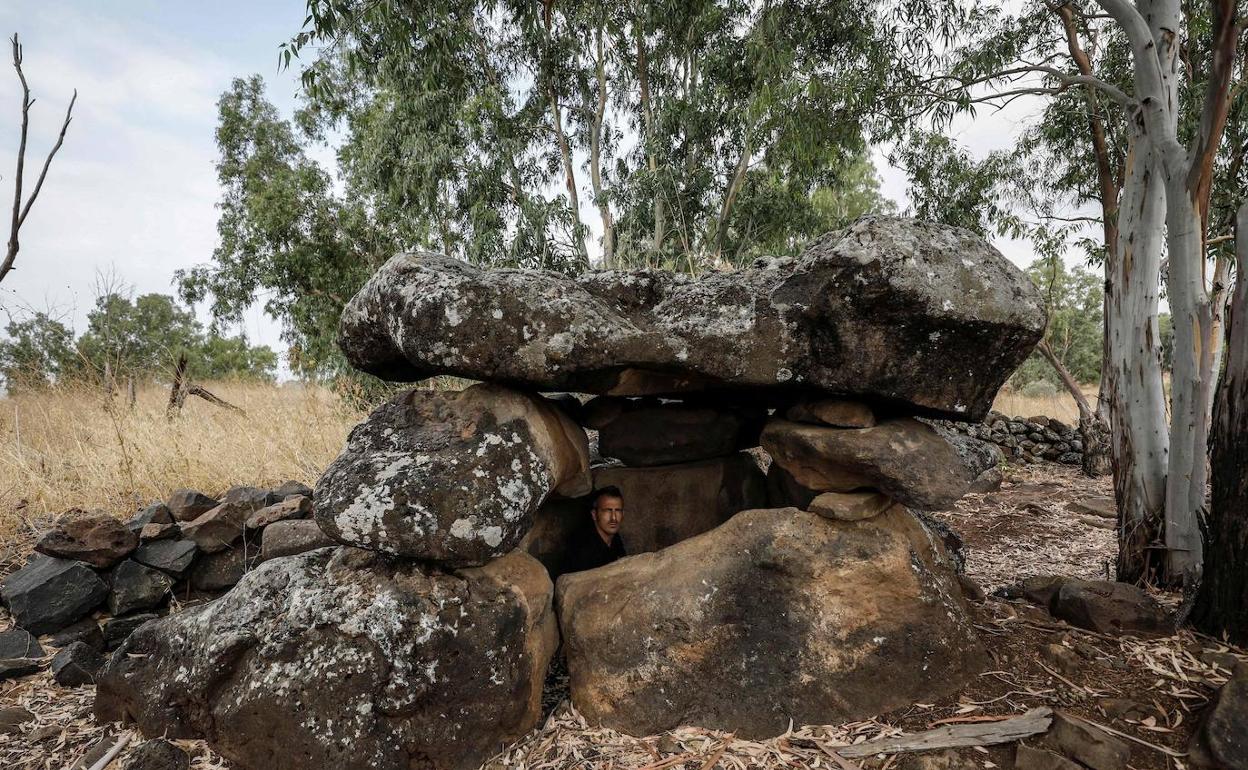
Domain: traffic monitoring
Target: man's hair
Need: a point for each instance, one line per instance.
(611, 491)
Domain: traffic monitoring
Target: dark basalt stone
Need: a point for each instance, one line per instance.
(888, 309)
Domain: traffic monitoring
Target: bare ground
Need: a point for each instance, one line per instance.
(1024, 529)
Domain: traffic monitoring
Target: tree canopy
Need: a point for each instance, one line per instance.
(561, 136)
(139, 338)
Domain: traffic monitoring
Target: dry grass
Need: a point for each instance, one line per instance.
(73, 447)
(1062, 405)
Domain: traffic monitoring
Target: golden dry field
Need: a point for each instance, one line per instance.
(1062, 405)
(74, 447)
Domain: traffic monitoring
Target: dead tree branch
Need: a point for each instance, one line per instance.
(183, 387)
(20, 209)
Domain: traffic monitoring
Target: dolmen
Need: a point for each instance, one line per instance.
(768, 429)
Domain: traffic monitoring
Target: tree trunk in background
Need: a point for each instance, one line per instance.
(1093, 431)
(1186, 476)
(1222, 603)
(595, 153)
(1136, 399)
(647, 113)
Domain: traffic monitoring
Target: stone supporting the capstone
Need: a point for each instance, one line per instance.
(342, 658)
(775, 617)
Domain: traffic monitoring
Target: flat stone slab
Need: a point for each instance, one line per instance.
(888, 309)
(911, 462)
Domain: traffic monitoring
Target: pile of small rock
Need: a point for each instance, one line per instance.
(94, 578)
(1027, 439)
(424, 640)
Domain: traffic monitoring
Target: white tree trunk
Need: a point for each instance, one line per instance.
(1187, 473)
(1136, 398)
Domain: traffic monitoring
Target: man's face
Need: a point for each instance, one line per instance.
(608, 513)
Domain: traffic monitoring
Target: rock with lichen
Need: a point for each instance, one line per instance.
(452, 478)
(345, 658)
(888, 309)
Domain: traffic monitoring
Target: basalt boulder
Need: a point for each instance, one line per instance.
(451, 477)
(888, 309)
(97, 538)
(48, 594)
(776, 615)
(911, 462)
(347, 659)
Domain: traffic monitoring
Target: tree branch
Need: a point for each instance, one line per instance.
(20, 211)
(1215, 109)
(1149, 83)
(1065, 79)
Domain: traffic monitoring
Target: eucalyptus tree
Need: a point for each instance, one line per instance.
(1138, 99)
(700, 132)
(1222, 605)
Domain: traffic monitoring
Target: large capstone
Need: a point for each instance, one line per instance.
(344, 658)
(888, 309)
(451, 477)
(776, 615)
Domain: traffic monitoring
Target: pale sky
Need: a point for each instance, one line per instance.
(133, 191)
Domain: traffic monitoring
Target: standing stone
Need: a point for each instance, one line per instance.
(451, 478)
(910, 462)
(96, 538)
(667, 504)
(136, 587)
(776, 615)
(344, 658)
(892, 308)
(48, 594)
(187, 504)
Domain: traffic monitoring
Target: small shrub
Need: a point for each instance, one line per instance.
(1039, 389)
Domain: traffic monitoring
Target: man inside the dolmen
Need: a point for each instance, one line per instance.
(598, 541)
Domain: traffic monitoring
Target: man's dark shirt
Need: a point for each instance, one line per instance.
(587, 551)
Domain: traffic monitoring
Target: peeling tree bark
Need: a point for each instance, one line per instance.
(1154, 28)
(1137, 401)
